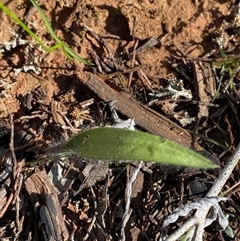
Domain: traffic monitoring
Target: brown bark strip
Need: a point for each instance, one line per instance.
(205, 86)
(142, 115)
(45, 200)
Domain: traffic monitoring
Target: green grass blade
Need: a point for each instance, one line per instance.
(208, 139)
(122, 144)
(47, 23)
(22, 25)
(76, 56)
(68, 51)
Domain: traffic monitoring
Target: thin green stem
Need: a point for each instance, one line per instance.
(68, 51)
(60, 44)
(23, 26)
(47, 23)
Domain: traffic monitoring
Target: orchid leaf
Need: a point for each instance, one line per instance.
(123, 144)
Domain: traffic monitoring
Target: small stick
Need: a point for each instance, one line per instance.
(132, 62)
(96, 36)
(11, 147)
(200, 216)
(128, 193)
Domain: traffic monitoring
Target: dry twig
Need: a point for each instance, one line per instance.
(128, 193)
(200, 216)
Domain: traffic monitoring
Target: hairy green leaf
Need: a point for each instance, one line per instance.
(123, 144)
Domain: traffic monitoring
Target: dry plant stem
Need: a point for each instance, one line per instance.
(231, 188)
(150, 43)
(74, 228)
(101, 40)
(128, 193)
(123, 71)
(106, 198)
(11, 147)
(200, 216)
(145, 80)
(94, 217)
(132, 62)
(5, 207)
(97, 61)
(17, 179)
(19, 224)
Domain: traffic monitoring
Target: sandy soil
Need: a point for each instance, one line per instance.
(47, 96)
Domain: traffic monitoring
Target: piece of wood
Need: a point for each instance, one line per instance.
(47, 208)
(143, 116)
(205, 86)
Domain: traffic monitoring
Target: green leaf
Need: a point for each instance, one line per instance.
(229, 232)
(123, 144)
